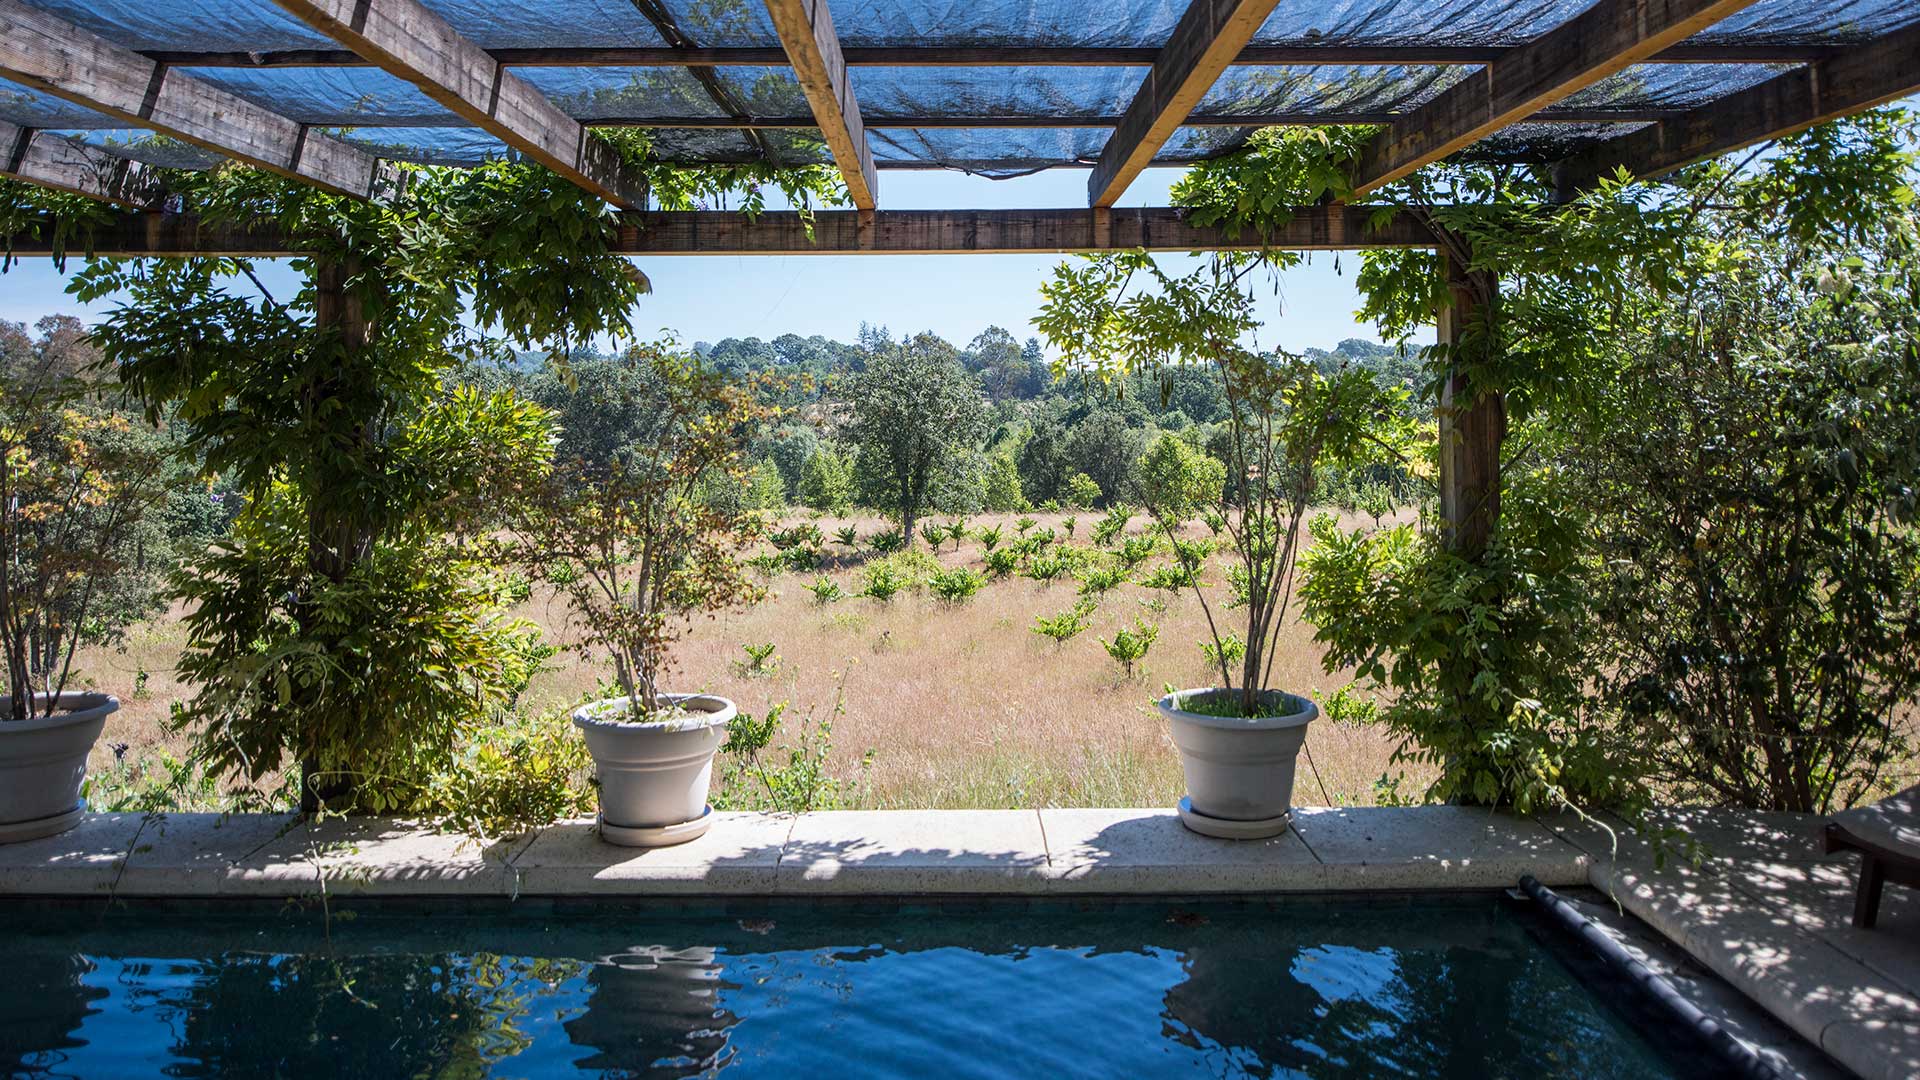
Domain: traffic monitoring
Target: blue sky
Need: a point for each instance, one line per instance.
(956, 296)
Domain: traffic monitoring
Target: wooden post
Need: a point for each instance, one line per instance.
(1472, 425)
(335, 544)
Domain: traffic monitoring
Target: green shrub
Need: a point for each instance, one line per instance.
(1376, 500)
(1003, 562)
(800, 784)
(1169, 577)
(884, 581)
(956, 585)
(804, 534)
(1112, 526)
(887, 541)
(1229, 651)
(1135, 550)
(1098, 580)
(1082, 492)
(1130, 644)
(760, 660)
(990, 538)
(520, 772)
(825, 591)
(1049, 567)
(1066, 625)
(846, 536)
(933, 534)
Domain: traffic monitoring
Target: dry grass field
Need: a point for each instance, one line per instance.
(945, 706)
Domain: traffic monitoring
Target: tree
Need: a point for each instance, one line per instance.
(1118, 313)
(1178, 481)
(1043, 461)
(643, 552)
(826, 481)
(1486, 633)
(78, 484)
(913, 410)
(1105, 446)
(353, 626)
(1007, 373)
(1754, 500)
(789, 447)
(1003, 493)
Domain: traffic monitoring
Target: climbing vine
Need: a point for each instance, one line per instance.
(356, 624)
(1503, 668)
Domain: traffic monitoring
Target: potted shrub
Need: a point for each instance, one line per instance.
(1238, 741)
(75, 482)
(646, 544)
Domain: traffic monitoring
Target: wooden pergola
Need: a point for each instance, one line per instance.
(175, 93)
(1531, 84)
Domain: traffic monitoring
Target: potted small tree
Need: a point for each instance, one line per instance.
(640, 544)
(75, 482)
(1238, 741)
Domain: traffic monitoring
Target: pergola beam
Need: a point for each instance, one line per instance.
(53, 161)
(53, 55)
(1232, 120)
(406, 40)
(1882, 70)
(996, 56)
(1207, 38)
(806, 32)
(1607, 37)
(837, 232)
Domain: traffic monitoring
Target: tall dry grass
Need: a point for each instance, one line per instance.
(945, 706)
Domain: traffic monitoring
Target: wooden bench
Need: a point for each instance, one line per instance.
(1887, 836)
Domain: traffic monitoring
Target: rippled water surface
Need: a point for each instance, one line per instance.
(1455, 988)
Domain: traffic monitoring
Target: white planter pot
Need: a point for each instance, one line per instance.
(1239, 770)
(43, 762)
(654, 775)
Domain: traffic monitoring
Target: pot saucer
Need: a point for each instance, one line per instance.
(1227, 829)
(656, 835)
(15, 832)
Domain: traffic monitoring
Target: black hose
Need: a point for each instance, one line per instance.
(1739, 1058)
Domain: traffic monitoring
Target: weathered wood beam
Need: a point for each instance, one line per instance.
(1885, 69)
(1605, 38)
(994, 56)
(1235, 120)
(806, 32)
(62, 59)
(841, 232)
(406, 40)
(1207, 38)
(52, 161)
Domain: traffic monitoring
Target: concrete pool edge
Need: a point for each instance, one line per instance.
(879, 853)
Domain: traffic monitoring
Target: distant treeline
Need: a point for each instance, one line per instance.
(1039, 441)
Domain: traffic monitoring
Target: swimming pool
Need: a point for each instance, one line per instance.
(1460, 986)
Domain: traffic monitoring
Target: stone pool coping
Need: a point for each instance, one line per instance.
(1763, 910)
(853, 853)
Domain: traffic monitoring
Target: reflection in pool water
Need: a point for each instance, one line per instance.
(1426, 987)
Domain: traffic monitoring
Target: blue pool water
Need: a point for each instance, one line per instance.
(1460, 987)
